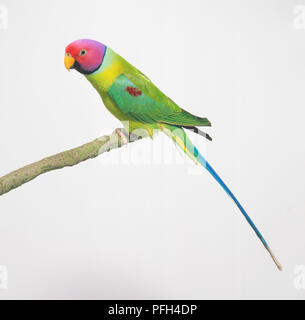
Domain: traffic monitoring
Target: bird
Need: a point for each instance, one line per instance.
(133, 99)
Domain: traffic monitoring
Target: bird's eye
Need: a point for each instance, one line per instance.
(68, 54)
(82, 52)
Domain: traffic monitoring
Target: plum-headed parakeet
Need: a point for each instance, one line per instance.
(131, 97)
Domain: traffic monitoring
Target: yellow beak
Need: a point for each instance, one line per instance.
(69, 62)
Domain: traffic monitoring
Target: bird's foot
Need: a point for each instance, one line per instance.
(123, 135)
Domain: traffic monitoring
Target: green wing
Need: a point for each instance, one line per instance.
(142, 101)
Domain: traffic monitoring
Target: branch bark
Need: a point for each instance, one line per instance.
(67, 158)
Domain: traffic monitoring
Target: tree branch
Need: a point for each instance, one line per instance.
(67, 158)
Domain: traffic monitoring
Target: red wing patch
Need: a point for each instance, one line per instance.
(133, 91)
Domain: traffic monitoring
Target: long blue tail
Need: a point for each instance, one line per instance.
(180, 138)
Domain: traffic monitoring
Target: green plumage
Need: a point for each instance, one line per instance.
(151, 105)
(131, 97)
(147, 107)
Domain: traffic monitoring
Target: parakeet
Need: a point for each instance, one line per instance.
(131, 97)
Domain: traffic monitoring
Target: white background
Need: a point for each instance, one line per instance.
(140, 230)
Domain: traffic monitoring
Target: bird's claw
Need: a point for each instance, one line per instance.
(123, 135)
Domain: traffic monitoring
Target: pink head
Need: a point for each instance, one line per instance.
(84, 55)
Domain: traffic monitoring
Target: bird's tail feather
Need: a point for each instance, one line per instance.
(180, 138)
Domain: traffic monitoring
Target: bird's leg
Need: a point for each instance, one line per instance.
(123, 135)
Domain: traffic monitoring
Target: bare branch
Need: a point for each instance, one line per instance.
(67, 158)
